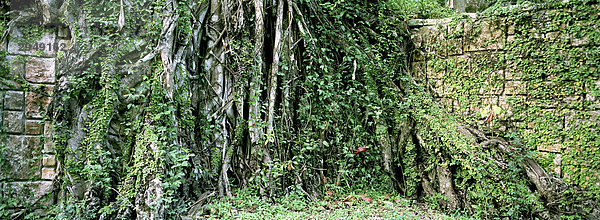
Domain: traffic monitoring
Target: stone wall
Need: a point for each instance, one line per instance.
(534, 73)
(29, 163)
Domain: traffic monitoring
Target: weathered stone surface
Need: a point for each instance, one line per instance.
(32, 142)
(48, 146)
(580, 41)
(12, 140)
(33, 127)
(436, 69)
(23, 161)
(515, 88)
(488, 36)
(26, 193)
(433, 40)
(14, 100)
(556, 35)
(510, 39)
(49, 161)
(512, 71)
(13, 122)
(40, 70)
(557, 164)
(438, 88)
(555, 148)
(48, 173)
(455, 39)
(48, 131)
(48, 136)
(17, 44)
(17, 70)
(486, 60)
(37, 101)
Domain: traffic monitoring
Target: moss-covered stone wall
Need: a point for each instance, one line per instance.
(26, 148)
(529, 71)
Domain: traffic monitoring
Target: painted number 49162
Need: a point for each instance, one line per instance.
(42, 46)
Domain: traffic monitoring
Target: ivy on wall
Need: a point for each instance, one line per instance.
(536, 79)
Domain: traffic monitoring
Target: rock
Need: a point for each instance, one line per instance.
(40, 70)
(37, 101)
(13, 122)
(22, 156)
(27, 193)
(33, 127)
(48, 173)
(20, 45)
(14, 100)
(49, 161)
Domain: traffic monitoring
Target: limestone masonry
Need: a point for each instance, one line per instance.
(28, 142)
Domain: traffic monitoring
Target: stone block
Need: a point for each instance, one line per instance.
(418, 55)
(487, 60)
(577, 42)
(14, 100)
(510, 29)
(17, 66)
(40, 70)
(436, 69)
(23, 158)
(512, 70)
(48, 138)
(553, 148)
(17, 44)
(13, 122)
(455, 38)
(509, 39)
(33, 142)
(37, 101)
(557, 164)
(573, 119)
(48, 146)
(509, 104)
(417, 23)
(447, 103)
(515, 88)
(458, 65)
(433, 40)
(48, 130)
(26, 193)
(492, 85)
(557, 36)
(48, 173)
(49, 161)
(14, 141)
(33, 127)
(438, 87)
(484, 35)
